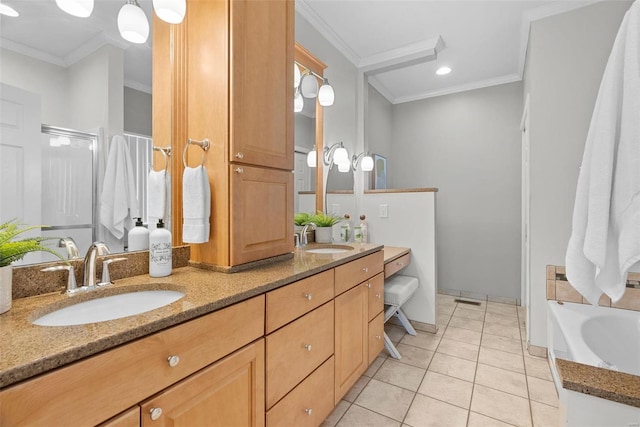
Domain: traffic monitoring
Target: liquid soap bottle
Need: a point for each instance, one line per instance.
(364, 230)
(138, 237)
(345, 229)
(160, 251)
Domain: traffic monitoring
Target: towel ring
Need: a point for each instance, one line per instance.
(166, 152)
(204, 144)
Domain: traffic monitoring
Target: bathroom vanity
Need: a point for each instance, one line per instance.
(276, 345)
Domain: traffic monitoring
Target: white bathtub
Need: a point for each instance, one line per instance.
(598, 336)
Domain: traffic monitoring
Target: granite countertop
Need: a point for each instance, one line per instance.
(29, 350)
(599, 382)
(394, 252)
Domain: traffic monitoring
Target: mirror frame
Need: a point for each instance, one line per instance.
(306, 58)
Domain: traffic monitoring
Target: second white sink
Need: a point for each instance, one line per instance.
(109, 308)
(337, 249)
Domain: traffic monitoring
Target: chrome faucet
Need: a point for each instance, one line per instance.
(89, 272)
(70, 245)
(303, 234)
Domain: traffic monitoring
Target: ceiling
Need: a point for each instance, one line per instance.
(398, 43)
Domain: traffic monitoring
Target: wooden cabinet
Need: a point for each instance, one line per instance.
(351, 338)
(228, 393)
(232, 74)
(376, 336)
(129, 418)
(375, 285)
(357, 271)
(122, 377)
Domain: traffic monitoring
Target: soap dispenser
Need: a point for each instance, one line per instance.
(138, 237)
(345, 229)
(160, 251)
(364, 230)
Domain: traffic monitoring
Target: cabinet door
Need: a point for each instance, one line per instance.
(261, 72)
(261, 213)
(228, 393)
(376, 295)
(129, 418)
(376, 337)
(351, 335)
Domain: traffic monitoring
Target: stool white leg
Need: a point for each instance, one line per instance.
(405, 322)
(393, 351)
(390, 311)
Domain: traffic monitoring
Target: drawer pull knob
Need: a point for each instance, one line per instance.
(155, 413)
(399, 263)
(239, 170)
(365, 269)
(378, 337)
(307, 347)
(369, 285)
(173, 361)
(308, 296)
(239, 155)
(378, 296)
(308, 411)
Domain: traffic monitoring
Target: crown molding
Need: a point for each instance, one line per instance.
(31, 52)
(382, 89)
(131, 84)
(403, 56)
(509, 78)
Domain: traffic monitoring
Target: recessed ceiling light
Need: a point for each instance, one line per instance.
(8, 11)
(443, 71)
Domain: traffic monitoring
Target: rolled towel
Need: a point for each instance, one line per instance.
(196, 205)
(156, 197)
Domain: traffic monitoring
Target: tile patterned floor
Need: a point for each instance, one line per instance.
(474, 372)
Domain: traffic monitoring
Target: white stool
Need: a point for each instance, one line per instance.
(397, 290)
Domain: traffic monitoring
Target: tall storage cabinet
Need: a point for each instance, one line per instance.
(232, 79)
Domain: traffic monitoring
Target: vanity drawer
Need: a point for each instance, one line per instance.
(292, 301)
(92, 390)
(309, 403)
(392, 267)
(297, 349)
(375, 286)
(355, 272)
(376, 337)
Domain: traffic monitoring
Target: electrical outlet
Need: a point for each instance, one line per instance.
(384, 211)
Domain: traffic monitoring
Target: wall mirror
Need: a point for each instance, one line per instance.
(87, 84)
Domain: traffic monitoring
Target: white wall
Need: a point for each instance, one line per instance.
(468, 146)
(137, 112)
(565, 61)
(48, 80)
(378, 131)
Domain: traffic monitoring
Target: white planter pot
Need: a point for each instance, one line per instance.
(6, 274)
(324, 234)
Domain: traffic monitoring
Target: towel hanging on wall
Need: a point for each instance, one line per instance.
(157, 198)
(196, 205)
(605, 237)
(118, 201)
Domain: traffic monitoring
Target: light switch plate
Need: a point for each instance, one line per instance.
(384, 211)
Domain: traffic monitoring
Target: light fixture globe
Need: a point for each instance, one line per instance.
(344, 167)
(296, 75)
(309, 86)
(171, 11)
(341, 156)
(298, 103)
(311, 158)
(132, 23)
(79, 8)
(326, 95)
(367, 163)
(7, 10)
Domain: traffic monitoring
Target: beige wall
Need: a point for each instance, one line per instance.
(566, 58)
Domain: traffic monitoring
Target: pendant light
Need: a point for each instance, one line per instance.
(7, 10)
(298, 103)
(309, 86)
(171, 11)
(325, 94)
(344, 167)
(132, 23)
(296, 75)
(79, 8)
(311, 158)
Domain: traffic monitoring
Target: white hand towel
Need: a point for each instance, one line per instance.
(118, 201)
(605, 239)
(196, 205)
(156, 197)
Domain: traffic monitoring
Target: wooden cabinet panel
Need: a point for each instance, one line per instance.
(129, 418)
(375, 285)
(309, 403)
(261, 213)
(122, 377)
(297, 349)
(227, 393)
(292, 301)
(351, 338)
(261, 91)
(396, 265)
(376, 337)
(355, 272)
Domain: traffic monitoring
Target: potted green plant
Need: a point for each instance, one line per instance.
(301, 218)
(324, 224)
(12, 249)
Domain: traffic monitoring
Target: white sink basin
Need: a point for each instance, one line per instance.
(330, 250)
(109, 308)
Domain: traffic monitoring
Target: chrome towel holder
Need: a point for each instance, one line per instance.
(166, 153)
(204, 144)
